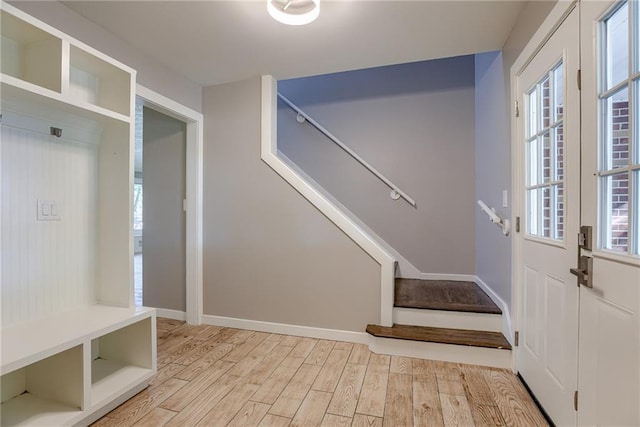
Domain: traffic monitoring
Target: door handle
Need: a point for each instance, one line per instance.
(584, 271)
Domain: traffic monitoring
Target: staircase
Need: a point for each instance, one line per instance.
(444, 320)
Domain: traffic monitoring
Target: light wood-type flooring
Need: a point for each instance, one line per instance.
(213, 376)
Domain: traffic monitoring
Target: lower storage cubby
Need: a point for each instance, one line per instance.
(48, 392)
(120, 359)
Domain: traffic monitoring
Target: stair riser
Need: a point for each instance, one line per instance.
(444, 352)
(448, 319)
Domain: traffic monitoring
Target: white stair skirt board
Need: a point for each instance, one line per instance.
(448, 319)
(507, 329)
(171, 314)
(492, 357)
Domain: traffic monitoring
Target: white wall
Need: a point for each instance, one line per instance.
(47, 266)
(150, 73)
(415, 124)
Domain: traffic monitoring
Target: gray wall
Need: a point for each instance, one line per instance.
(415, 124)
(163, 168)
(151, 74)
(269, 254)
(493, 136)
(493, 173)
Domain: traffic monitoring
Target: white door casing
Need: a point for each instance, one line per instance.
(609, 339)
(548, 145)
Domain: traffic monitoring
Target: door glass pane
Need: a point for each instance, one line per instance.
(616, 147)
(546, 157)
(559, 219)
(559, 146)
(636, 124)
(532, 113)
(558, 98)
(546, 103)
(616, 212)
(617, 46)
(533, 212)
(546, 212)
(533, 175)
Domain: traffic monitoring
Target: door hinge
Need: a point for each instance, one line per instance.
(575, 400)
(516, 109)
(184, 205)
(516, 338)
(579, 79)
(517, 224)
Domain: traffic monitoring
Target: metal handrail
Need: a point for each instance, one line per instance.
(396, 193)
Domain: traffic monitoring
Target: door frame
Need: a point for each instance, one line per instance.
(555, 18)
(194, 183)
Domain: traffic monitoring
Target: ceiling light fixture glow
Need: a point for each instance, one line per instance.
(294, 12)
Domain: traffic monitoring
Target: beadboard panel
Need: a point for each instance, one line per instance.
(48, 266)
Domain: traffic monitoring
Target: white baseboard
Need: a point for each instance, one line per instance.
(454, 277)
(425, 350)
(283, 328)
(507, 329)
(171, 314)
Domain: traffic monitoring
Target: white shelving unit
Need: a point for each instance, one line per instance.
(73, 345)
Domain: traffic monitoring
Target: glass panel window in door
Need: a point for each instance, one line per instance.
(545, 151)
(619, 120)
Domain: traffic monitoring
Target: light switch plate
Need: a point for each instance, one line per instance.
(47, 210)
(505, 199)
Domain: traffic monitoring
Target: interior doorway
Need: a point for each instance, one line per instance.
(166, 207)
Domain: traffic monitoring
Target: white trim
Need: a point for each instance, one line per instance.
(546, 29)
(453, 277)
(493, 357)
(507, 328)
(448, 319)
(171, 314)
(269, 154)
(194, 178)
(286, 329)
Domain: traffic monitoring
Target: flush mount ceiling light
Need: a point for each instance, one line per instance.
(294, 12)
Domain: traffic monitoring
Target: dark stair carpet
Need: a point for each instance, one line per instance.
(443, 295)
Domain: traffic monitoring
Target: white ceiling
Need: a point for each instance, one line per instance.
(213, 42)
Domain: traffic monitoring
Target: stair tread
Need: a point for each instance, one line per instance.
(441, 335)
(443, 295)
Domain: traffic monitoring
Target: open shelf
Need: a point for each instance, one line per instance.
(30, 54)
(109, 377)
(49, 391)
(96, 82)
(30, 410)
(120, 359)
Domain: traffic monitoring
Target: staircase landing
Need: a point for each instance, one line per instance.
(443, 295)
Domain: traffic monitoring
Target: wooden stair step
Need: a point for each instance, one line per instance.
(443, 295)
(485, 339)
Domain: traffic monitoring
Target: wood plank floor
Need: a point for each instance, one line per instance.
(212, 376)
(443, 295)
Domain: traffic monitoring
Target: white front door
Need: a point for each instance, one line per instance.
(549, 151)
(609, 352)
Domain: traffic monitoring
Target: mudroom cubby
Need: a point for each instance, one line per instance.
(73, 344)
(30, 54)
